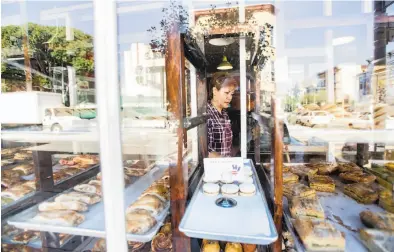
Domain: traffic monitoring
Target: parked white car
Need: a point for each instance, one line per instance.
(66, 119)
(314, 118)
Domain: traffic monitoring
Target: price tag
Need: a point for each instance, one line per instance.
(215, 168)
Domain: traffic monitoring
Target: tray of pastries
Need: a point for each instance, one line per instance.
(322, 183)
(357, 177)
(319, 235)
(79, 210)
(221, 246)
(378, 220)
(347, 167)
(362, 193)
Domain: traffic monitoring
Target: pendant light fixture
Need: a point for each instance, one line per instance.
(225, 65)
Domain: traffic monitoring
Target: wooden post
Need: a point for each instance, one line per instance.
(277, 140)
(175, 70)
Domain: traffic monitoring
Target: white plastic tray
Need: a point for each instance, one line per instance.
(94, 224)
(249, 222)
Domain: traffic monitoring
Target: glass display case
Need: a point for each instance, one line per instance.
(104, 117)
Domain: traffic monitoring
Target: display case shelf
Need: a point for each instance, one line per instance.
(94, 224)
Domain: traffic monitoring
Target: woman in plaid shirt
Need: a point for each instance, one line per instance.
(220, 136)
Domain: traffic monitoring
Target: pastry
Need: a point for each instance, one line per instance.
(249, 247)
(141, 165)
(302, 171)
(95, 182)
(296, 190)
(149, 203)
(322, 183)
(86, 159)
(161, 182)
(347, 167)
(380, 220)
(8, 230)
(17, 192)
(389, 166)
(5, 162)
(17, 248)
(71, 171)
(386, 200)
(9, 174)
(9, 182)
(357, 177)
(67, 161)
(306, 208)
(211, 189)
(23, 156)
(26, 237)
(64, 205)
(24, 169)
(87, 198)
(59, 175)
(162, 243)
(134, 172)
(289, 177)
(31, 184)
(100, 246)
(60, 217)
(88, 188)
(362, 193)
(285, 168)
(319, 235)
(166, 228)
(233, 247)
(6, 200)
(246, 189)
(139, 222)
(377, 240)
(323, 168)
(210, 246)
(137, 246)
(229, 190)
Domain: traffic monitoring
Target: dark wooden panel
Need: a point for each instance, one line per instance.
(43, 170)
(175, 70)
(278, 179)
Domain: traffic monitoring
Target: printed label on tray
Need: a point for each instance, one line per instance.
(219, 168)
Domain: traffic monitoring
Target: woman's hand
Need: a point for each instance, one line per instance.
(214, 155)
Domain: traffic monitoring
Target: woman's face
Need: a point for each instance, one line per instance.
(223, 96)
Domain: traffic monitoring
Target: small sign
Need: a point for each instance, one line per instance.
(217, 168)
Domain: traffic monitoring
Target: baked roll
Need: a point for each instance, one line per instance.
(23, 156)
(233, 247)
(134, 172)
(24, 169)
(361, 192)
(65, 205)
(86, 159)
(71, 171)
(210, 246)
(60, 217)
(306, 208)
(322, 183)
(137, 246)
(17, 192)
(357, 177)
(380, 220)
(149, 203)
(139, 221)
(162, 243)
(249, 247)
(89, 199)
(319, 235)
(88, 188)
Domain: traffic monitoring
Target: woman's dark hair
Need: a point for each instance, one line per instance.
(219, 80)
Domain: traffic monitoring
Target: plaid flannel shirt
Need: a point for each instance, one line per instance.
(220, 135)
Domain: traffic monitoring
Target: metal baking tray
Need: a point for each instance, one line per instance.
(249, 222)
(94, 224)
(340, 210)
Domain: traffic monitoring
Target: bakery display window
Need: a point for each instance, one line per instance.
(104, 126)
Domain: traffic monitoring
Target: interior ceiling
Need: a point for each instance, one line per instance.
(214, 54)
